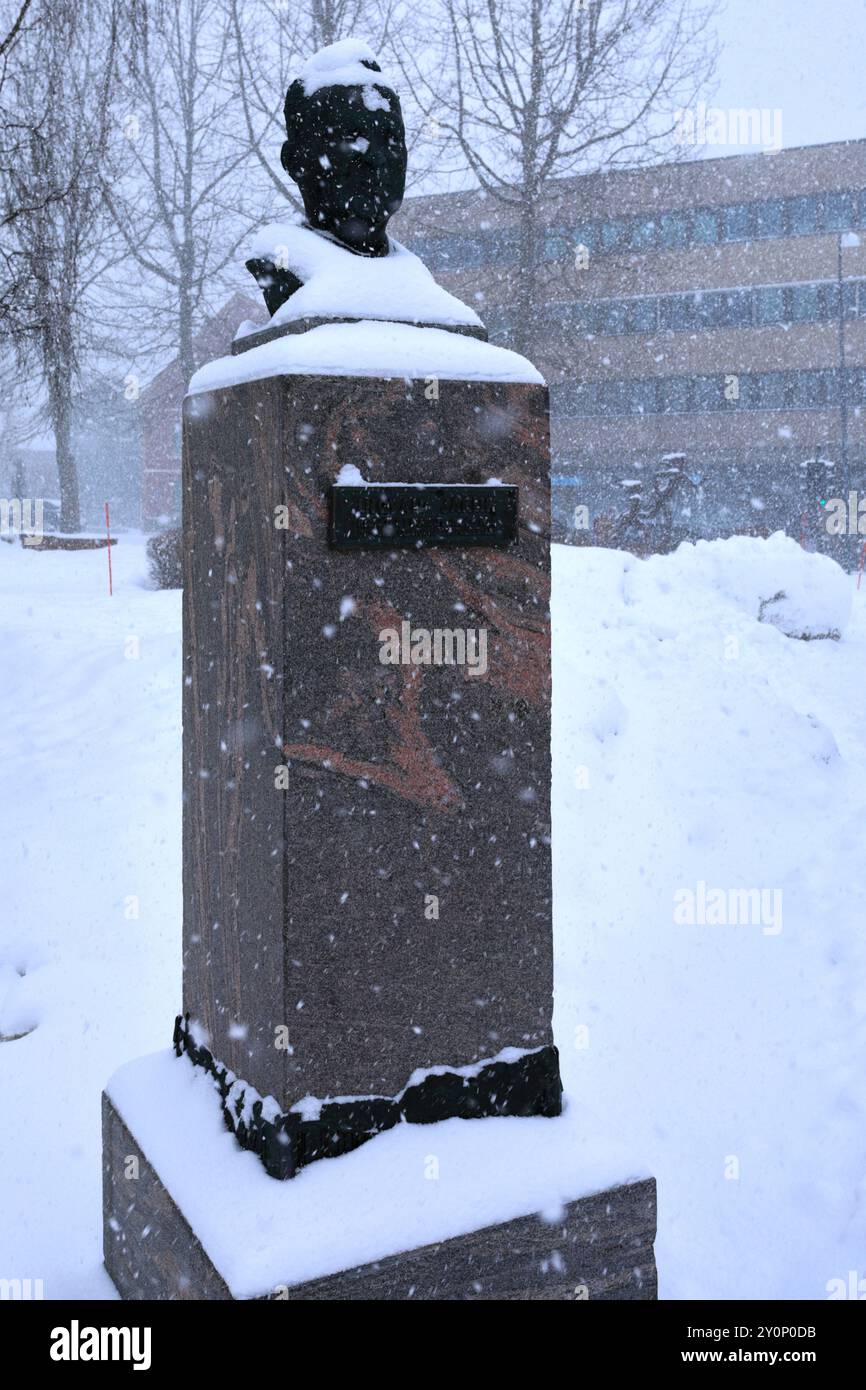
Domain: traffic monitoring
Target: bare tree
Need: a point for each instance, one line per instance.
(533, 91)
(13, 30)
(176, 193)
(56, 98)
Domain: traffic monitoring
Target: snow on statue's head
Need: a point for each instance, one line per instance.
(345, 145)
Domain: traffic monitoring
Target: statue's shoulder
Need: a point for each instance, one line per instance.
(310, 277)
(284, 256)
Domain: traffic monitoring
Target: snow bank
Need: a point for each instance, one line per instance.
(90, 912)
(697, 748)
(802, 594)
(369, 349)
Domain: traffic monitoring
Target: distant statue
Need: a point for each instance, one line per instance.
(345, 148)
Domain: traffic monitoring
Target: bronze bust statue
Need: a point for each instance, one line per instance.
(345, 148)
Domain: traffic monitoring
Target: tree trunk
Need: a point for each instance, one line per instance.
(526, 299)
(58, 373)
(186, 355)
(67, 469)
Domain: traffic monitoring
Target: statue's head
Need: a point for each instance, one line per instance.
(345, 145)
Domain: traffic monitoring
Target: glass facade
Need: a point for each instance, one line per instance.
(677, 395)
(808, 302)
(672, 229)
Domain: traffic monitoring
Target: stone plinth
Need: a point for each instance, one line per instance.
(390, 909)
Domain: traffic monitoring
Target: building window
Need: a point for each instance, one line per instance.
(811, 390)
(505, 243)
(576, 397)
(475, 252)
(677, 311)
(613, 234)
(555, 245)
(674, 395)
(771, 304)
(804, 215)
(856, 377)
(643, 396)
(643, 316)
(737, 309)
(710, 309)
(594, 317)
(673, 230)
(705, 227)
(707, 393)
(770, 218)
(772, 392)
(611, 316)
(501, 323)
(738, 222)
(831, 300)
(805, 303)
(580, 316)
(612, 398)
(643, 233)
(840, 211)
(585, 236)
(438, 252)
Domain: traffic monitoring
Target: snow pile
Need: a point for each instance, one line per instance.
(804, 595)
(369, 349)
(700, 755)
(339, 284)
(342, 65)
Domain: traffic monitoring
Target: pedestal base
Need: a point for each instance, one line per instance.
(189, 1216)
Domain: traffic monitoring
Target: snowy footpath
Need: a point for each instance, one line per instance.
(709, 828)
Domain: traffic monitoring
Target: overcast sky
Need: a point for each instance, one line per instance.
(805, 57)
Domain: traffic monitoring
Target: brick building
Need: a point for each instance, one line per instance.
(160, 416)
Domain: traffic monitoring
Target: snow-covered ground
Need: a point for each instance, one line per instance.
(89, 836)
(692, 745)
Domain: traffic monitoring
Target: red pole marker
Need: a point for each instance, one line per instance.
(108, 534)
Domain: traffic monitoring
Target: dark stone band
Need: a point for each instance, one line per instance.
(530, 1085)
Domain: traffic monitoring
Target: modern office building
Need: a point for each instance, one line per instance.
(712, 309)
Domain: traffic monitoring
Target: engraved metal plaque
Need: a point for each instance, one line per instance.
(384, 516)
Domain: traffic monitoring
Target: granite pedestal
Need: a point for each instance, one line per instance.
(389, 909)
